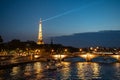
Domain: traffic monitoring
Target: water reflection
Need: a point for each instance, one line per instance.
(28, 70)
(37, 67)
(15, 73)
(96, 70)
(117, 67)
(88, 70)
(80, 70)
(38, 70)
(15, 70)
(69, 71)
(65, 72)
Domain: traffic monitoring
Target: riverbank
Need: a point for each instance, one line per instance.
(4, 66)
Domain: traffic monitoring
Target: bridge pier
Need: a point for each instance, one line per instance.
(119, 58)
(88, 59)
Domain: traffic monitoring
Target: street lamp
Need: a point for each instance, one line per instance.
(80, 49)
(52, 50)
(91, 48)
(66, 50)
(95, 50)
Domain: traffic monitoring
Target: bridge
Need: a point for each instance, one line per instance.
(87, 56)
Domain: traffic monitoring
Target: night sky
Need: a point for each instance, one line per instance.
(19, 19)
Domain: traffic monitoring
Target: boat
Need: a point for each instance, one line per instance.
(52, 65)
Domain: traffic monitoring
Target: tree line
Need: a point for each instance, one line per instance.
(32, 45)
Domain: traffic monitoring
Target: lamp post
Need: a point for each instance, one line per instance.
(66, 50)
(80, 50)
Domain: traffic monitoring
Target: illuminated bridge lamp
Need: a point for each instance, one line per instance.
(52, 50)
(66, 50)
(91, 48)
(80, 49)
(95, 50)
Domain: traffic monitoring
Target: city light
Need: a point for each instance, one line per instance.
(66, 50)
(36, 56)
(80, 49)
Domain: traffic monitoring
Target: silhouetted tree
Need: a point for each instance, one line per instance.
(1, 40)
(15, 43)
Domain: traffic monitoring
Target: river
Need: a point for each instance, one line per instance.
(69, 71)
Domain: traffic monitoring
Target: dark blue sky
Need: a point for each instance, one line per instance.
(19, 18)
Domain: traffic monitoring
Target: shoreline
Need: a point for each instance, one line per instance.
(20, 63)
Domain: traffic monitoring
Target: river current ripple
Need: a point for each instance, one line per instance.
(69, 71)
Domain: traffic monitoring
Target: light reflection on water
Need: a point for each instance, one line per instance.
(88, 70)
(38, 69)
(15, 70)
(117, 68)
(28, 70)
(65, 72)
(69, 71)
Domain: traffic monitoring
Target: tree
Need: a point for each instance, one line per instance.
(1, 45)
(14, 44)
(1, 40)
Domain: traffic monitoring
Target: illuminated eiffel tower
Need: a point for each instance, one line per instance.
(40, 36)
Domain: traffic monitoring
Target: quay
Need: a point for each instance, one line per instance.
(19, 60)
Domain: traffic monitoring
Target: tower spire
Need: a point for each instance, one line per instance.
(40, 37)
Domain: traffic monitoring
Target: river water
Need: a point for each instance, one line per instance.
(69, 71)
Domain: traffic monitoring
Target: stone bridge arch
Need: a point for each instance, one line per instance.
(87, 56)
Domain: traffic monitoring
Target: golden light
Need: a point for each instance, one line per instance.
(37, 67)
(66, 50)
(96, 70)
(58, 56)
(36, 56)
(66, 63)
(90, 55)
(80, 70)
(52, 50)
(116, 56)
(83, 56)
(62, 56)
(80, 49)
(87, 55)
(28, 69)
(95, 49)
(65, 72)
(37, 51)
(15, 70)
(91, 48)
(24, 54)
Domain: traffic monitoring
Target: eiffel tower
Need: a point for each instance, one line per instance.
(40, 36)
